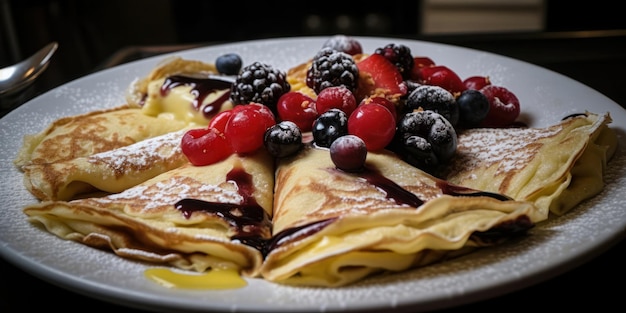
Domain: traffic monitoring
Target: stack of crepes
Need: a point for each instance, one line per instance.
(298, 220)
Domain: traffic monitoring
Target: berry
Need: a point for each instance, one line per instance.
(504, 107)
(205, 146)
(442, 76)
(246, 127)
(473, 107)
(348, 153)
(228, 64)
(436, 99)
(476, 82)
(373, 123)
(283, 139)
(332, 68)
(400, 56)
(418, 63)
(259, 83)
(344, 43)
(384, 102)
(379, 77)
(329, 126)
(297, 107)
(422, 61)
(427, 139)
(338, 97)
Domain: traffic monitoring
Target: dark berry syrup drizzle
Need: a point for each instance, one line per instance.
(200, 89)
(249, 219)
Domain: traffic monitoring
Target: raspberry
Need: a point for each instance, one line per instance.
(504, 107)
(332, 68)
(338, 97)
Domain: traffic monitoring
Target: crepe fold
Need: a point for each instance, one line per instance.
(332, 228)
(86, 134)
(191, 217)
(110, 171)
(556, 167)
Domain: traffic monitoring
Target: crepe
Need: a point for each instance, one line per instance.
(86, 134)
(332, 228)
(555, 167)
(110, 171)
(192, 217)
(186, 90)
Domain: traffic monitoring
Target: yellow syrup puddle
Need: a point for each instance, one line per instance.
(218, 279)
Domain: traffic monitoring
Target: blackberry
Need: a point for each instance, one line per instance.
(332, 68)
(435, 98)
(400, 55)
(259, 83)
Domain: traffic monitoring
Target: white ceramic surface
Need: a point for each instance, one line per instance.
(552, 248)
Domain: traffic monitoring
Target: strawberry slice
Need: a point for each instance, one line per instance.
(378, 76)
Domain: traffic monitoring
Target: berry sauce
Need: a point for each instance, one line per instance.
(200, 88)
(249, 219)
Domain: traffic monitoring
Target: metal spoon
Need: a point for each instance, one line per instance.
(16, 77)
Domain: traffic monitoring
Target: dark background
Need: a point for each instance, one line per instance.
(90, 32)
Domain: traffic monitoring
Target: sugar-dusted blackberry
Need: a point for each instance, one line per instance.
(435, 98)
(330, 68)
(400, 55)
(426, 139)
(259, 83)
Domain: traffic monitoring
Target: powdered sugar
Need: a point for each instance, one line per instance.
(484, 147)
(141, 154)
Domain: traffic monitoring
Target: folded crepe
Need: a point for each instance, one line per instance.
(86, 134)
(332, 228)
(192, 217)
(110, 171)
(185, 90)
(555, 167)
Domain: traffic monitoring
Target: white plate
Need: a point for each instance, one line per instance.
(545, 98)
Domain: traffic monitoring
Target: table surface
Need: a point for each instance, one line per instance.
(597, 59)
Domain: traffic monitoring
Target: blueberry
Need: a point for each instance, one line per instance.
(329, 126)
(473, 107)
(283, 139)
(228, 64)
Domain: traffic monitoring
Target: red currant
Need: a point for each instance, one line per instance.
(339, 97)
(205, 146)
(297, 107)
(374, 124)
(384, 102)
(220, 119)
(504, 107)
(246, 127)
